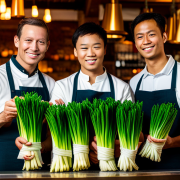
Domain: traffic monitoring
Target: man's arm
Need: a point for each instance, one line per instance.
(170, 142)
(9, 113)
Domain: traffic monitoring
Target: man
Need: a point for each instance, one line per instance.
(92, 81)
(20, 74)
(158, 83)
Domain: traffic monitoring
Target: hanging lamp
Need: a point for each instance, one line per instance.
(17, 8)
(171, 23)
(47, 16)
(146, 9)
(2, 6)
(35, 11)
(8, 13)
(113, 20)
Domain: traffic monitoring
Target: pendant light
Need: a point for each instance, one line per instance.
(47, 16)
(35, 12)
(8, 13)
(177, 39)
(17, 8)
(171, 23)
(146, 9)
(113, 20)
(2, 6)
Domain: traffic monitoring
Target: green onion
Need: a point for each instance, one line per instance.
(58, 124)
(129, 118)
(30, 115)
(103, 116)
(78, 119)
(162, 119)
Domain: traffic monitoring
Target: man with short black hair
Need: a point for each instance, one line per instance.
(157, 83)
(20, 74)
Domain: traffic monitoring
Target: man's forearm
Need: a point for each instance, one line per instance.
(2, 120)
(176, 142)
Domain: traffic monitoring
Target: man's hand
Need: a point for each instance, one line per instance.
(9, 113)
(19, 143)
(59, 101)
(117, 149)
(93, 152)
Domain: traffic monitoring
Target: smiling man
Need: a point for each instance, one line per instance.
(158, 83)
(92, 81)
(20, 74)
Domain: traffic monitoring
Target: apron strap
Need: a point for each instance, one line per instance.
(139, 83)
(75, 86)
(10, 79)
(76, 82)
(174, 75)
(111, 86)
(41, 78)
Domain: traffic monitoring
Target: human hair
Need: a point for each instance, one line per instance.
(34, 22)
(89, 28)
(160, 20)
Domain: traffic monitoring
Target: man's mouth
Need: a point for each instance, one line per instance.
(91, 61)
(147, 49)
(32, 55)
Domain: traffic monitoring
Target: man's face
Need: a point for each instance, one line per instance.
(149, 40)
(90, 52)
(32, 44)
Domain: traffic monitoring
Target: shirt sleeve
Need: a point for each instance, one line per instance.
(127, 95)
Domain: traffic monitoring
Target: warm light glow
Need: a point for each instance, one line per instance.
(2, 16)
(47, 16)
(72, 57)
(50, 69)
(110, 36)
(112, 22)
(134, 71)
(4, 53)
(10, 52)
(35, 11)
(2, 6)
(56, 57)
(8, 13)
(17, 8)
(66, 57)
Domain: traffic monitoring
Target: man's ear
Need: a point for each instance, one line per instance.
(75, 52)
(16, 41)
(164, 37)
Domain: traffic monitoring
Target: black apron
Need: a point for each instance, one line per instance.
(81, 95)
(170, 158)
(8, 149)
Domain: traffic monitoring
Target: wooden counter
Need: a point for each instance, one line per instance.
(94, 175)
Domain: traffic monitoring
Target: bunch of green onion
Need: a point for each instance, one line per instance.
(30, 115)
(129, 117)
(103, 116)
(162, 119)
(78, 119)
(62, 151)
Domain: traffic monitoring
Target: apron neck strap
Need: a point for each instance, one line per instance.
(174, 75)
(173, 80)
(76, 82)
(11, 81)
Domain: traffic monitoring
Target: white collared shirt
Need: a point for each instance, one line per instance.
(64, 88)
(20, 79)
(160, 81)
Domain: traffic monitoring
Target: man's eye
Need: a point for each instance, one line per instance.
(151, 34)
(139, 37)
(41, 42)
(96, 47)
(83, 48)
(28, 40)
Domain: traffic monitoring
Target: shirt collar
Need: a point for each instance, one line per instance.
(166, 70)
(19, 67)
(98, 78)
